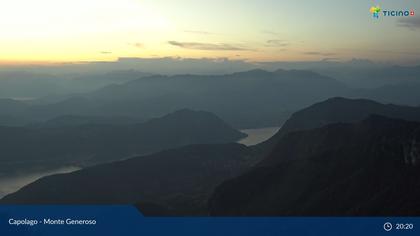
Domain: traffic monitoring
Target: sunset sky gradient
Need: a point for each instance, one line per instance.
(252, 30)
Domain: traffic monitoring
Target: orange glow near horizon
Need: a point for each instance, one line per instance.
(61, 31)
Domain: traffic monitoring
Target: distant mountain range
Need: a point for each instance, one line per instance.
(63, 142)
(27, 84)
(255, 98)
(249, 99)
(373, 76)
(356, 73)
(74, 121)
(338, 157)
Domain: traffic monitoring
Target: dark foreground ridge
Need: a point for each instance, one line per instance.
(339, 110)
(367, 168)
(333, 158)
(175, 181)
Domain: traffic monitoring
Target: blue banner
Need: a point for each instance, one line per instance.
(127, 220)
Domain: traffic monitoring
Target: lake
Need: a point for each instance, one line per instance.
(12, 184)
(256, 136)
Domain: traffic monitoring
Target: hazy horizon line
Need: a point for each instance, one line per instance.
(24, 63)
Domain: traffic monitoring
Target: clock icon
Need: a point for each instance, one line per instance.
(387, 226)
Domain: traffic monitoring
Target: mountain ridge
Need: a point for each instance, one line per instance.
(368, 168)
(87, 144)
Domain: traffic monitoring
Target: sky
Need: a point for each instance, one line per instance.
(48, 31)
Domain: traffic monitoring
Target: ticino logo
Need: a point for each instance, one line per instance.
(376, 11)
